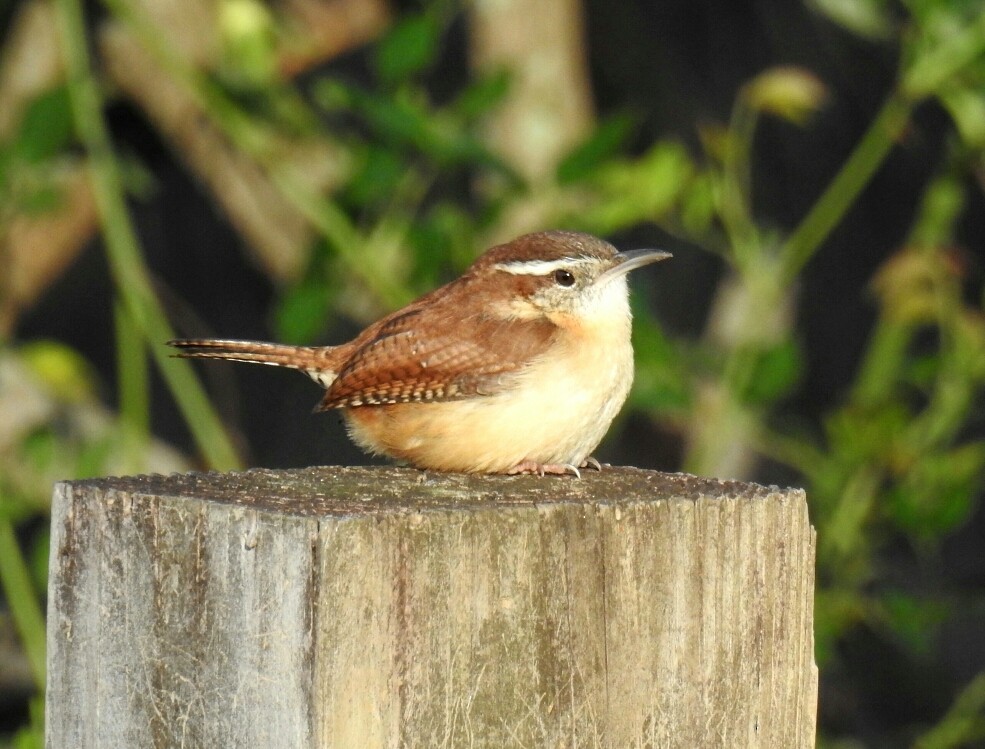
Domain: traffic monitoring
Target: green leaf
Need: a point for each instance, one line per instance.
(936, 493)
(443, 238)
(483, 95)
(436, 237)
(967, 108)
(921, 371)
(607, 138)
(94, 455)
(377, 177)
(698, 204)
(408, 123)
(46, 128)
(31, 736)
(409, 48)
(836, 610)
(661, 384)
(15, 506)
(860, 435)
(333, 95)
(40, 449)
(913, 619)
(629, 192)
(39, 200)
(65, 372)
(774, 372)
(302, 312)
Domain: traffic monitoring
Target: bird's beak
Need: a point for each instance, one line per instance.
(627, 261)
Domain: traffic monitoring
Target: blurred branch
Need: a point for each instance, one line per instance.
(846, 186)
(548, 109)
(736, 183)
(318, 31)
(133, 386)
(721, 439)
(36, 248)
(924, 78)
(22, 600)
(157, 52)
(278, 234)
(132, 282)
(750, 315)
(257, 142)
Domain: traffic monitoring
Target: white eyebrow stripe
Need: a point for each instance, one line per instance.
(539, 267)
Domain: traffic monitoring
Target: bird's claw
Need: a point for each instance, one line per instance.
(591, 462)
(542, 469)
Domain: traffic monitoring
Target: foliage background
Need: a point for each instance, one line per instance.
(291, 170)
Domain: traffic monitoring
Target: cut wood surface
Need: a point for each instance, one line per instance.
(369, 607)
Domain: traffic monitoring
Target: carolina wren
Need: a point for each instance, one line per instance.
(518, 366)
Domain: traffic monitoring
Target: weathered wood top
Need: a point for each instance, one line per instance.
(385, 607)
(340, 491)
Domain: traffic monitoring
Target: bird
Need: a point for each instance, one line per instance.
(518, 366)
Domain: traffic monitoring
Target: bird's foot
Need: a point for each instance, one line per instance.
(542, 469)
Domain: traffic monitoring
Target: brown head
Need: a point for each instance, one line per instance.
(559, 275)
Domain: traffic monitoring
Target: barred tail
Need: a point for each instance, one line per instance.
(315, 361)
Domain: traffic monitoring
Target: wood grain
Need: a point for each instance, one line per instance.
(357, 607)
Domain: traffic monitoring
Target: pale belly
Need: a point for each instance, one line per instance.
(556, 412)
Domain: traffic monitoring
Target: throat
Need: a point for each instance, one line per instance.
(602, 314)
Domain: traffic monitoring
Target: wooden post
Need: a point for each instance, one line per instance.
(363, 608)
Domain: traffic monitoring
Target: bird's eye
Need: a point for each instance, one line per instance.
(564, 277)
